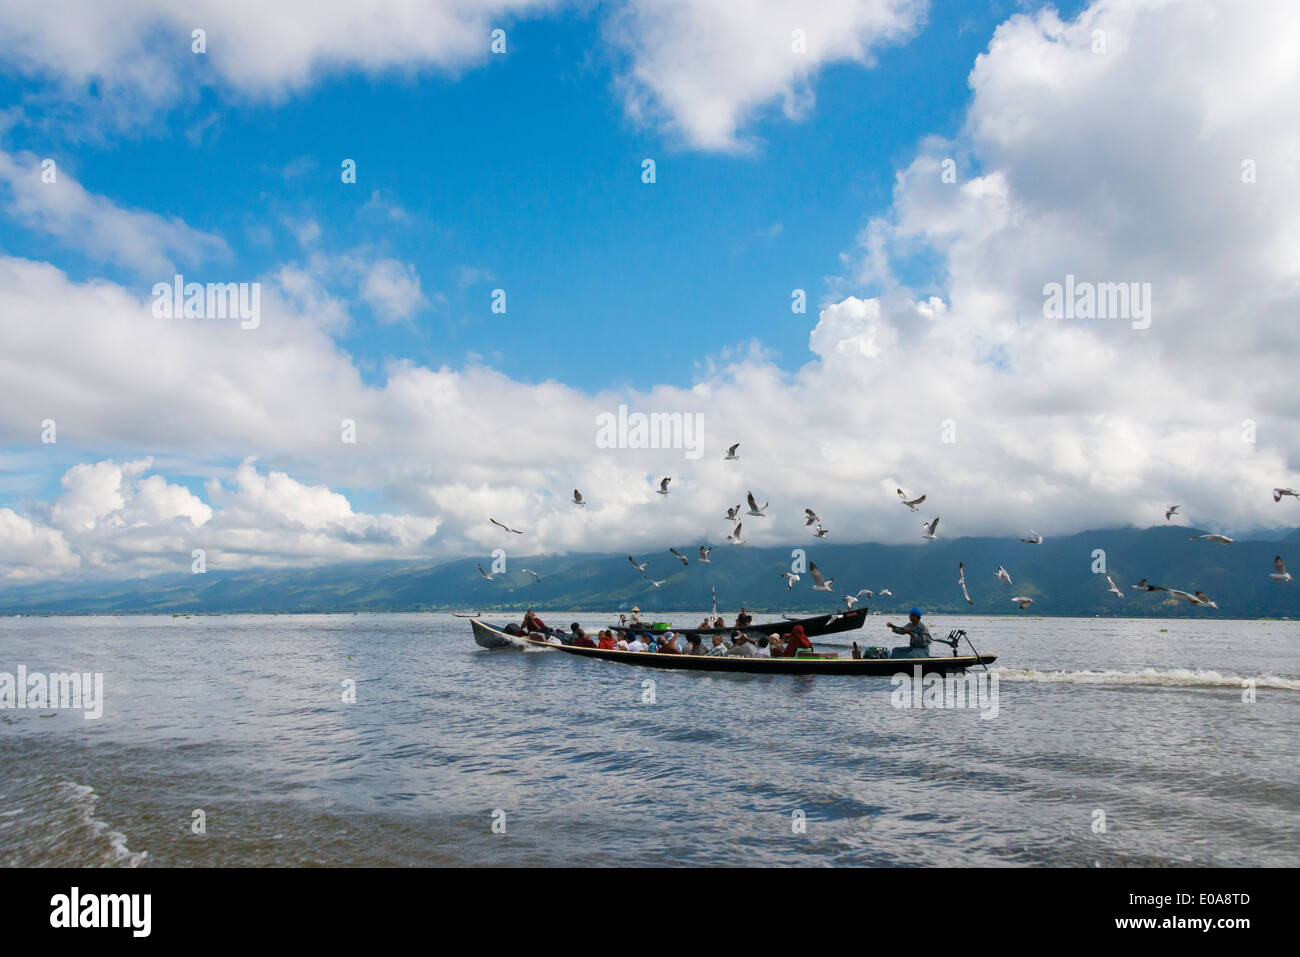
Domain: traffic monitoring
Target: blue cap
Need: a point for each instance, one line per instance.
(916, 612)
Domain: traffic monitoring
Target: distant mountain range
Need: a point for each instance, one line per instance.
(1057, 574)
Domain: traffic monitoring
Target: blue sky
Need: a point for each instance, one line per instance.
(1116, 162)
(528, 170)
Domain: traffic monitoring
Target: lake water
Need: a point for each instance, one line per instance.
(1117, 742)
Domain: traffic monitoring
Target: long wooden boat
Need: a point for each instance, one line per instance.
(812, 627)
(491, 637)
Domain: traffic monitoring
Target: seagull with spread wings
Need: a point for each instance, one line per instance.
(912, 503)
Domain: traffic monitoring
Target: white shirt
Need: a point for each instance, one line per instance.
(637, 645)
(765, 652)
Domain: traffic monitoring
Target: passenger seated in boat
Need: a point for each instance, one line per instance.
(778, 645)
(706, 623)
(798, 642)
(580, 638)
(620, 643)
(744, 619)
(741, 647)
(694, 646)
(606, 641)
(637, 643)
(762, 649)
(719, 623)
(719, 649)
(919, 646)
(533, 623)
(668, 645)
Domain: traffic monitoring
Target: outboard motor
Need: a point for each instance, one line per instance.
(953, 640)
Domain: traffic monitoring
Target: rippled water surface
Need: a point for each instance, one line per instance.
(1135, 725)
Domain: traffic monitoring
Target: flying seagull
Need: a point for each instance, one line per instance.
(1003, 575)
(734, 537)
(733, 513)
(823, 584)
(821, 532)
(639, 566)
(1198, 598)
(653, 582)
(704, 555)
(679, 555)
(577, 498)
(1033, 539)
(929, 529)
(961, 580)
(529, 571)
(663, 486)
(1279, 492)
(1169, 512)
(1221, 539)
(1113, 589)
(1280, 574)
(1022, 601)
(504, 525)
(753, 506)
(812, 518)
(483, 573)
(886, 591)
(731, 455)
(910, 504)
(790, 579)
(851, 600)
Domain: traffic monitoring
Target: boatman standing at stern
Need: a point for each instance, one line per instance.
(919, 646)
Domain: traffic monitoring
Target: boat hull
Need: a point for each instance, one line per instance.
(880, 667)
(812, 627)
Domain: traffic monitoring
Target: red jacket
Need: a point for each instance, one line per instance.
(797, 641)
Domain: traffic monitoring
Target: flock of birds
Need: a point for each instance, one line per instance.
(929, 533)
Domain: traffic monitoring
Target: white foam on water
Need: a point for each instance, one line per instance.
(1151, 677)
(84, 797)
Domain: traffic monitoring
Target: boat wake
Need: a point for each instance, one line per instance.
(1151, 677)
